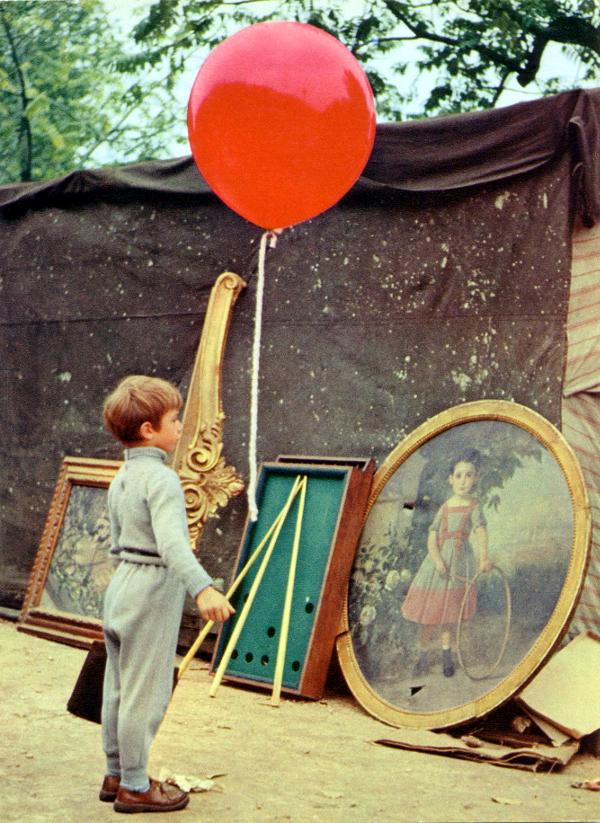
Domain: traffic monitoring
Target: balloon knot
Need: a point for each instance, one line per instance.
(272, 236)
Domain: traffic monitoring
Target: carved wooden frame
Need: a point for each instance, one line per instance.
(71, 628)
(208, 482)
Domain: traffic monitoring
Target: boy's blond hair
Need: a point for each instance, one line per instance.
(135, 400)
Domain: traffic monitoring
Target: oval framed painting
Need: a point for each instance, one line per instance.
(470, 563)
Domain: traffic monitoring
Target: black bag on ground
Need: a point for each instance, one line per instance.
(86, 698)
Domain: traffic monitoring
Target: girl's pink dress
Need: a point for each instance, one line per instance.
(433, 598)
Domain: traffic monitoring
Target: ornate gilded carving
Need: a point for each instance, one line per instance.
(208, 482)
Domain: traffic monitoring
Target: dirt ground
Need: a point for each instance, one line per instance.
(304, 761)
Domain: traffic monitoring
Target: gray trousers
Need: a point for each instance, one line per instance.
(142, 613)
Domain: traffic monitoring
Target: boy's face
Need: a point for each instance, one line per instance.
(168, 432)
(463, 478)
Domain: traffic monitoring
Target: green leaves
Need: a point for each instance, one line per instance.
(63, 101)
(161, 16)
(465, 53)
(73, 93)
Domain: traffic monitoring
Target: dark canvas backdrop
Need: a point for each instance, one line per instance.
(406, 298)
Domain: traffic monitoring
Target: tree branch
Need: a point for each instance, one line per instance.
(25, 137)
(500, 87)
(572, 31)
(421, 31)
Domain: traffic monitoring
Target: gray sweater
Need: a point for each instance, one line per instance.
(148, 522)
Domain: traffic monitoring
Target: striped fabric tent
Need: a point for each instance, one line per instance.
(581, 402)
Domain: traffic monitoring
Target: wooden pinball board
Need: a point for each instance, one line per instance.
(335, 504)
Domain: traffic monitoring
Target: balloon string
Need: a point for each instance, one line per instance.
(269, 237)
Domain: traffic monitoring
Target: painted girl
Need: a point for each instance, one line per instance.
(457, 536)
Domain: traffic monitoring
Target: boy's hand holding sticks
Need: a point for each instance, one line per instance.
(213, 605)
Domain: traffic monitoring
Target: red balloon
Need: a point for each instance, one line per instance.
(281, 122)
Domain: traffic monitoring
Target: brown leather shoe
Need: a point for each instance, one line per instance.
(160, 797)
(110, 787)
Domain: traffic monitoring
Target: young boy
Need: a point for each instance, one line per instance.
(144, 599)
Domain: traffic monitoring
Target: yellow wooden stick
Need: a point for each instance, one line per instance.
(253, 589)
(232, 589)
(287, 605)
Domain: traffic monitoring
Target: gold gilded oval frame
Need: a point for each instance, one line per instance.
(549, 637)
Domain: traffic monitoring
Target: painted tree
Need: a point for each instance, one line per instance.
(503, 450)
(63, 104)
(466, 52)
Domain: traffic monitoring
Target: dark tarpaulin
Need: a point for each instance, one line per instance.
(440, 154)
(419, 291)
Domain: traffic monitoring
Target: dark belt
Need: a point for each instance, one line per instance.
(143, 552)
(143, 557)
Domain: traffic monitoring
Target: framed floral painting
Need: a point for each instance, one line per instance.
(470, 563)
(72, 567)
